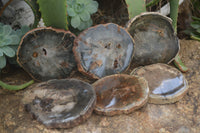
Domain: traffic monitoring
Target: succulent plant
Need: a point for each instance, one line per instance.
(9, 41)
(54, 13)
(194, 30)
(7, 38)
(79, 12)
(19, 33)
(135, 7)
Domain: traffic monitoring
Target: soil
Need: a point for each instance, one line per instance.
(183, 116)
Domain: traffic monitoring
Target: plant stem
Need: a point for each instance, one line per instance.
(4, 7)
(174, 13)
(195, 38)
(179, 64)
(15, 87)
(135, 7)
(174, 16)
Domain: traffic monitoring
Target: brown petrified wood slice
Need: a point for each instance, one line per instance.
(120, 94)
(166, 83)
(103, 50)
(60, 103)
(46, 53)
(155, 39)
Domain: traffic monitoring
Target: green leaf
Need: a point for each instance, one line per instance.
(85, 16)
(92, 7)
(16, 87)
(189, 31)
(15, 40)
(75, 21)
(79, 7)
(7, 30)
(135, 7)
(198, 30)
(195, 38)
(1, 30)
(71, 12)
(8, 51)
(2, 43)
(7, 40)
(1, 52)
(195, 25)
(54, 13)
(195, 34)
(179, 64)
(195, 18)
(85, 25)
(70, 3)
(24, 29)
(2, 62)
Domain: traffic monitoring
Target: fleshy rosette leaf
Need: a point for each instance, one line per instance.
(80, 11)
(9, 41)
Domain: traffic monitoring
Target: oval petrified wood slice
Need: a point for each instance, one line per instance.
(120, 93)
(166, 83)
(103, 50)
(60, 103)
(155, 39)
(46, 53)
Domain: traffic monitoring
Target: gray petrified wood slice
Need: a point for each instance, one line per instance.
(120, 94)
(103, 50)
(155, 39)
(46, 53)
(166, 83)
(62, 103)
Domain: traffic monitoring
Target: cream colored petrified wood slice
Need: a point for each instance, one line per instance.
(166, 83)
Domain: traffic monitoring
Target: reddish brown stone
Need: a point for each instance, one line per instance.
(120, 93)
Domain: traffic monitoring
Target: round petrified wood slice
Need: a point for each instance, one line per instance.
(60, 103)
(46, 53)
(120, 93)
(166, 83)
(103, 50)
(155, 39)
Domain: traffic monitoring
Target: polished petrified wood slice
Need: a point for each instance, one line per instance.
(46, 53)
(166, 83)
(60, 103)
(103, 50)
(120, 93)
(155, 39)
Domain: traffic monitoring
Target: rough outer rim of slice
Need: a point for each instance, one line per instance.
(63, 119)
(165, 99)
(35, 55)
(129, 23)
(78, 55)
(129, 108)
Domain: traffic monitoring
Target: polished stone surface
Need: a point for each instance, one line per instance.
(182, 116)
(166, 83)
(60, 103)
(103, 50)
(120, 94)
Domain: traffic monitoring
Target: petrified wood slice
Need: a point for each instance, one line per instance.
(61, 103)
(155, 39)
(46, 53)
(120, 94)
(166, 83)
(103, 50)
